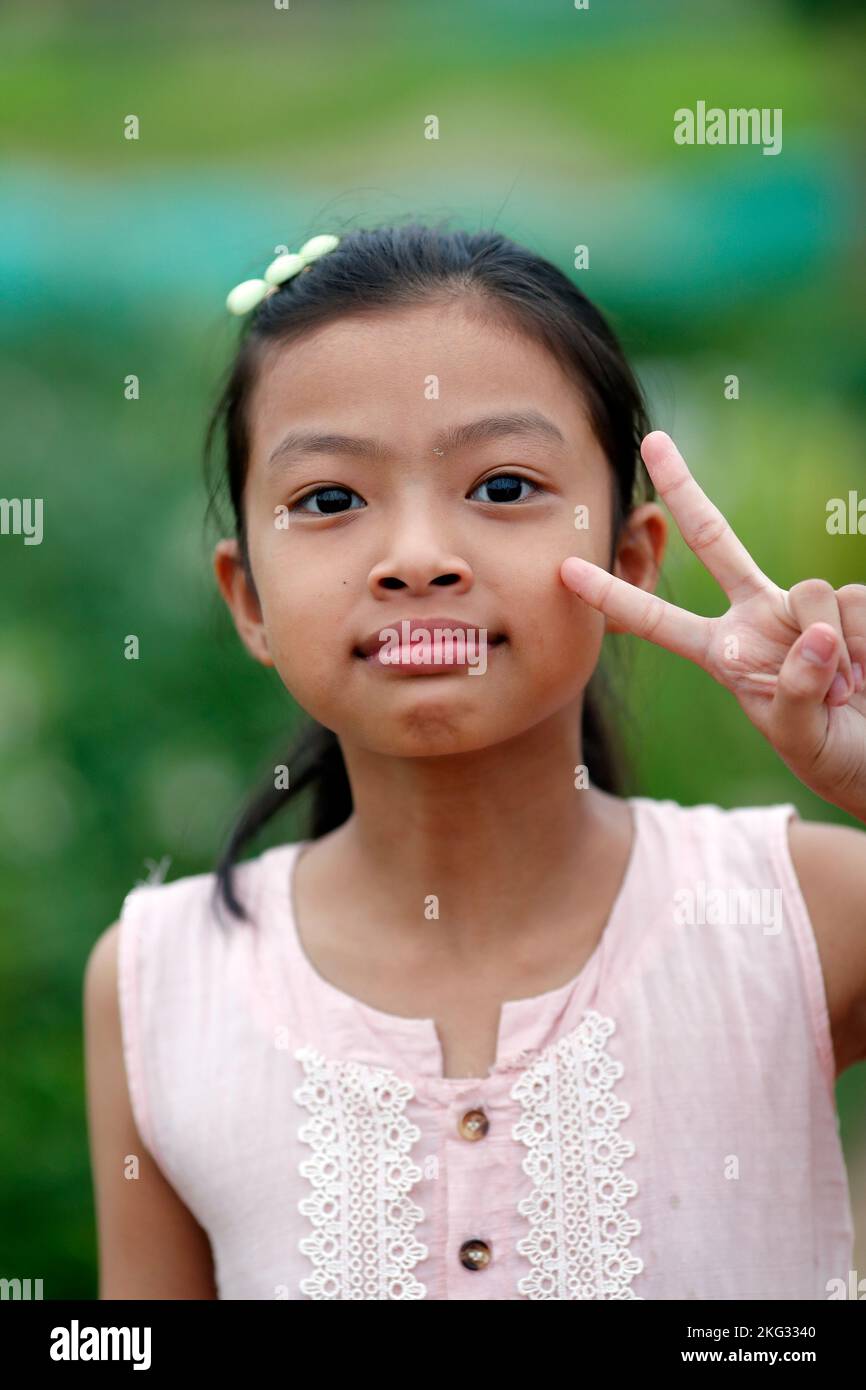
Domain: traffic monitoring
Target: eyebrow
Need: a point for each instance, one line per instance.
(299, 443)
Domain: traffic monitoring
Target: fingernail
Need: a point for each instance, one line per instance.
(819, 648)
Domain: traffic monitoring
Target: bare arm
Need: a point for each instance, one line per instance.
(830, 861)
(150, 1245)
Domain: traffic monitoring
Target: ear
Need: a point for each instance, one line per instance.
(639, 551)
(241, 599)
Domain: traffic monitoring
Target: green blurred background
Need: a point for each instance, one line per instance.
(262, 126)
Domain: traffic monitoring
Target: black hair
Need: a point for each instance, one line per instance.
(393, 267)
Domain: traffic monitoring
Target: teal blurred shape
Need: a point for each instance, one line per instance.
(688, 240)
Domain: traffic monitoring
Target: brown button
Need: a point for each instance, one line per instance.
(475, 1254)
(473, 1125)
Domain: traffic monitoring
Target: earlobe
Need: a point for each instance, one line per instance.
(233, 584)
(638, 558)
(241, 601)
(639, 554)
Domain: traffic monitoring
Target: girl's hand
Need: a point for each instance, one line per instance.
(794, 660)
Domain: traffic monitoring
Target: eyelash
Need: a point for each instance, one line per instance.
(334, 487)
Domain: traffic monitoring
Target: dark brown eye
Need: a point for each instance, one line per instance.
(331, 501)
(505, 487)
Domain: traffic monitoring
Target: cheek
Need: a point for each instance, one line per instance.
(308, 667)
(305, 626)
(559, 633)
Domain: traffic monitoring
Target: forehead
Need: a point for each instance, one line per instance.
(404, 373)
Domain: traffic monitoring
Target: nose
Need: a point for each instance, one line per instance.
(417, 562)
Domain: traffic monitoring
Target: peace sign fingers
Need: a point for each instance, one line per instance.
(637, 611)
(703, 527)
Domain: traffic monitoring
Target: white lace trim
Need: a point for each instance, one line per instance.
(579, 1229)
(363, 1246)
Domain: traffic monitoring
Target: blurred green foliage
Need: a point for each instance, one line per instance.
(115, 256)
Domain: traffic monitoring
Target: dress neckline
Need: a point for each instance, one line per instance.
(417, 1039)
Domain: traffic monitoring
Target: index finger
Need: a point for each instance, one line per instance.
(638, 610)
(705, 530)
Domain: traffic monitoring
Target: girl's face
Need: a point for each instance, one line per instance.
(423, 497)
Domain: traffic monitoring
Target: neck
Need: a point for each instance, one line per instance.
(495, 834)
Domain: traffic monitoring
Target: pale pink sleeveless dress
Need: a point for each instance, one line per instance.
(661, 1127)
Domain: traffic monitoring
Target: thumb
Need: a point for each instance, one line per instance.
(799, 714)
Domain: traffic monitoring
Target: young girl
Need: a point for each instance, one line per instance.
(493, 1030)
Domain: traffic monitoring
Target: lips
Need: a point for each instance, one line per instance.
(431, 626)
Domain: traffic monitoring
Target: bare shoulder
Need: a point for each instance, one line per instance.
(830, 862)
(150, 1245)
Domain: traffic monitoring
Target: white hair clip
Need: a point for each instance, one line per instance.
(249, 293)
